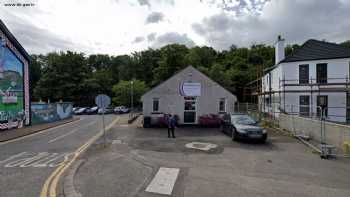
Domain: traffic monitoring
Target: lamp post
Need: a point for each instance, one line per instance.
(132, 95)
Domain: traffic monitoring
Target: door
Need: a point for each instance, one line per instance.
(190, 110)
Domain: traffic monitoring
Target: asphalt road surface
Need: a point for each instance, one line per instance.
(26, 163)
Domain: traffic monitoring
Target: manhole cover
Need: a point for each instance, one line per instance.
(201, 145)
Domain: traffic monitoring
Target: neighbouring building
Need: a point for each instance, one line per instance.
(314, 74)
(14, 81)
(188, 94)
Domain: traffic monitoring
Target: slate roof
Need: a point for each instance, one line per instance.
(14, 41)
(318, 50)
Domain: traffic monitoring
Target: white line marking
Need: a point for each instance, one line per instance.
(71, 132)
(43, 159)
(164, 181)
(40, 132)
(62, 136)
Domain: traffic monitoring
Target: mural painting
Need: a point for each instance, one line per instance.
(46, 113)
(11, 90)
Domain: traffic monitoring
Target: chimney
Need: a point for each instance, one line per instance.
(279, 49)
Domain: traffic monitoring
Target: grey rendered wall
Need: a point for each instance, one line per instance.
(170, 100)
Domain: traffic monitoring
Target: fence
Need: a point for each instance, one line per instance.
(300, 123)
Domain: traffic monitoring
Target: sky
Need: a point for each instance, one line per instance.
(118, 27)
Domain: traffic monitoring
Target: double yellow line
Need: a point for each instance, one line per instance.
(50, 185)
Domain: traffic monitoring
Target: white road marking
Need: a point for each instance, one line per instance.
(43, 159)
(12, 157)
(62, 136)
(71, 132)
(164, 181)
(40, 132)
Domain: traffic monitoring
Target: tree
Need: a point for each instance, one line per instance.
(201, 57)
(63, 77)
(173, 59)
(122, 92)
(346, 43)
(36, 64)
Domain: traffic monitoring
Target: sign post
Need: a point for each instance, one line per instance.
(103, 101)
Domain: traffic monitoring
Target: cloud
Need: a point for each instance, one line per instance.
(172, 37)
(295, 20)
(151, 37)
(138, 39)
(154, 17)
(238, 7)
(37, 40)
(149, 3)
(144, 2)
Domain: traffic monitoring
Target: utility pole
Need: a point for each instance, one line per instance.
(132, 95)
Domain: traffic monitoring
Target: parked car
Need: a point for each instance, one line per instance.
(108, 110)
(80, 111)
(121, 110)
(210, 120)
(242, 126)
(92, 110)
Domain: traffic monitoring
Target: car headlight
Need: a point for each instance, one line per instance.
(264, 131)
(241, 131)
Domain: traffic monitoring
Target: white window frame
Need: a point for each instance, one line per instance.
(155, 99)
(225, 105)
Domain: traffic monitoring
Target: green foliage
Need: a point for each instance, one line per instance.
(75, 77)
(346, 43)
(122, 92)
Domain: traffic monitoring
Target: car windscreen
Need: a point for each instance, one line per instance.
(242, 119)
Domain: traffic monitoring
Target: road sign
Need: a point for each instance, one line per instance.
(102, 101)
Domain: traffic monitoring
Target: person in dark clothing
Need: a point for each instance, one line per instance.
(171, 125)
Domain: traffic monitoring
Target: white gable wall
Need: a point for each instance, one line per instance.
(170, 100)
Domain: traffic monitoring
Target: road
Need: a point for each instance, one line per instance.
(26, 163)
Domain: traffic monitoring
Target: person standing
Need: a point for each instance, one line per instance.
(171, 126)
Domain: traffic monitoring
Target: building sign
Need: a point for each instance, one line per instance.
(190, 89)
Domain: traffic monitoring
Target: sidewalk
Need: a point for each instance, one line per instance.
(6, 135)
(130, 162)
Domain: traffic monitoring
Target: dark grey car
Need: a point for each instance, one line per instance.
(242, 126)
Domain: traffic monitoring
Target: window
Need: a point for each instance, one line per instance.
(321, 73)
(222, 105)
(304, 74)
(322, 101)
(304, 105)
(155, 104)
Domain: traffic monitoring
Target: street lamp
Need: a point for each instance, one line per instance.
(132, 95)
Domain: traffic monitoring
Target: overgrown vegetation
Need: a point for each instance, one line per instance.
(72, 76)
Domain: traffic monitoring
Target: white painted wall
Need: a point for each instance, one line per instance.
(170, 100)
(337, 71)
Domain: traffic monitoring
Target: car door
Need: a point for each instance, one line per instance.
(227, 124)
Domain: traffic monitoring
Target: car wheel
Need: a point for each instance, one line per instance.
(221, 128)
(234, 135)
(263, 140)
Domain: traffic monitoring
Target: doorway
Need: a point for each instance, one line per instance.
(190, 108)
